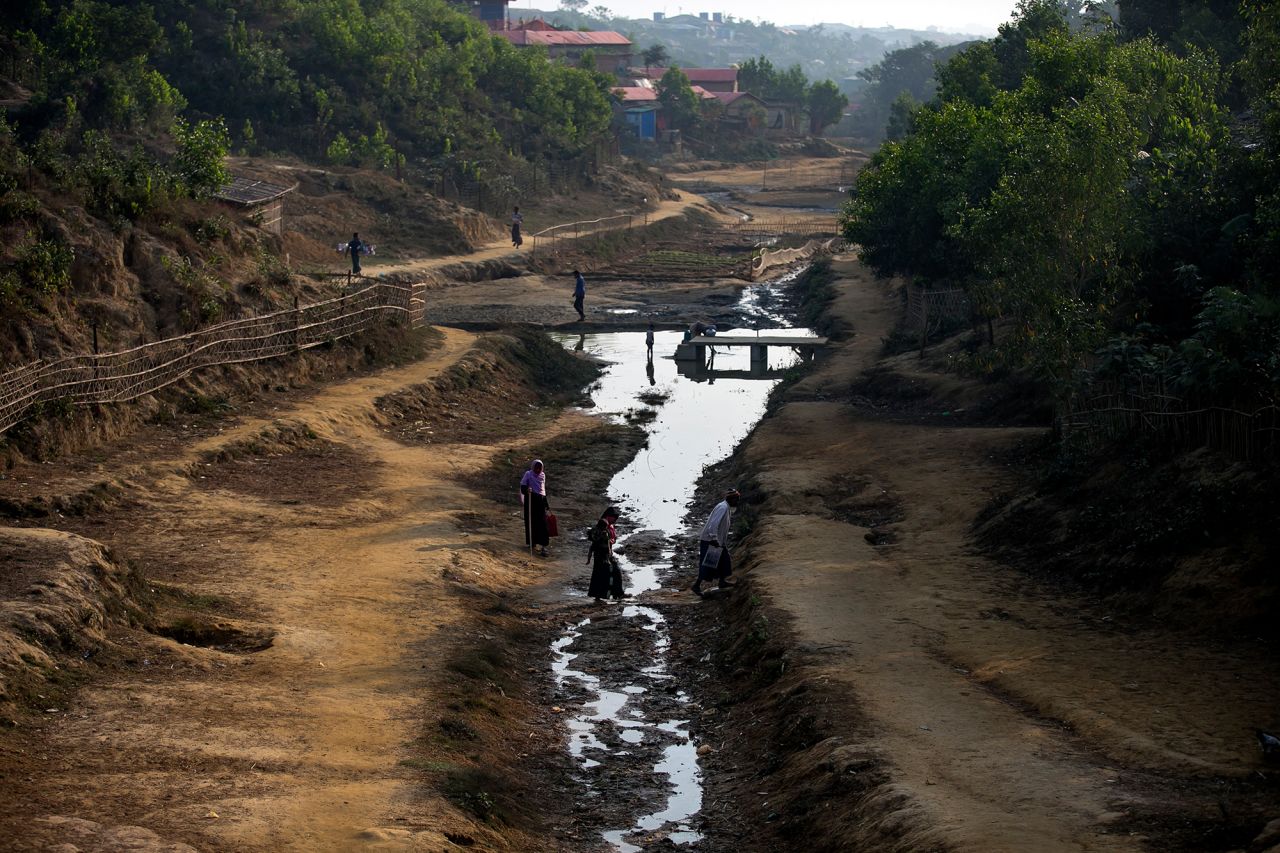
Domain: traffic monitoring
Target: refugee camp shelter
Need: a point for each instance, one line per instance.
(262, 201)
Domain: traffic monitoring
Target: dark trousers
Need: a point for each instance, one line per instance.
(577, 306)
(722, 570)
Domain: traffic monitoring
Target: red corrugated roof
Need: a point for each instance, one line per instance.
(636, 93)
(729, 97)
(702, 93)
(563, 37)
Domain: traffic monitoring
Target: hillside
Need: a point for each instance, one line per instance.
(824, 51)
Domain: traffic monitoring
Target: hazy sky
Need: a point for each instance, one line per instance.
(970, 16)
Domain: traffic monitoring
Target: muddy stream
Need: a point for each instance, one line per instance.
(628, 726)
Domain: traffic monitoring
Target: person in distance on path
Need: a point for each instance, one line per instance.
(715, 533)
(606, 574)
(355, 248)
(517, 219)
(579, 294)
(648, 342)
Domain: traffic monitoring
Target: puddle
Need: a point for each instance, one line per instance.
(638, 713)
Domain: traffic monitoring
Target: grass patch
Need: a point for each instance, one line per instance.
(490, 797)
(458, 729)
(484, 662)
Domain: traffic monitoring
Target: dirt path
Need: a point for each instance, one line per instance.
(964, 670)
(299, 746)
(502, 250)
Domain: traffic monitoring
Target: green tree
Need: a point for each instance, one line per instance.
(199, 161)
(678, 99)
(826, 104)
(655, 56)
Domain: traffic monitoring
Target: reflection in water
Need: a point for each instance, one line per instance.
(699, 422)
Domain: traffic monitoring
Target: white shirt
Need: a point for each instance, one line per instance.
(717, 527)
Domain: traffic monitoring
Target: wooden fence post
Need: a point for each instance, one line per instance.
(924, 320)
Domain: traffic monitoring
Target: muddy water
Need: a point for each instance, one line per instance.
(629, 724)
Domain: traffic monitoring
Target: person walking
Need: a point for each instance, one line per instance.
(579, 294)
(606, 574)
(648, 342)
(355, 248)
(533, 494)
(517, 219)
(715, 534)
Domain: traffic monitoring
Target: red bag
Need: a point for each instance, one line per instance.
(553, 527)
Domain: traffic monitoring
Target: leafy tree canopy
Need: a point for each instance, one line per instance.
(1094, 191)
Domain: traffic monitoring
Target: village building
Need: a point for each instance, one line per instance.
(711, 79)
(638, 108)
(613, 52)
(263, 202)
(492, 12)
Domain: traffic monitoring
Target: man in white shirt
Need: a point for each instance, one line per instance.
(715, 533)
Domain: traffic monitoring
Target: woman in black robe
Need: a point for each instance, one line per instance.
(606, 575)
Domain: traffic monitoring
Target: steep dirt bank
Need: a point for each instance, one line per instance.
(885, 687)
(380, 695)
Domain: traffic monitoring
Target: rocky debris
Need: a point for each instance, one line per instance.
(645, 546)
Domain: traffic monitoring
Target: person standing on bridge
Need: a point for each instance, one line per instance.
(579, 294)
(715, 534)
(606, 574)
(517, 219)
(533, 494)
(648, 343)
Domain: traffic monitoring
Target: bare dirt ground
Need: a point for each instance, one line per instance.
(350, 646)
(1012, 717)
(347, 551)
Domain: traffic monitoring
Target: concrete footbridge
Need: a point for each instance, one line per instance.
(695, 349)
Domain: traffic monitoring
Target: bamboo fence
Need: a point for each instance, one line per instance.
(121, 376)
(1112, 410)
(799, 226)
(549, 240)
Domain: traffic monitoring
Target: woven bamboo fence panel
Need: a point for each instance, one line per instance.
(779, 257)
(121, 376)
(777, 226)
(1110, 411)
(930, 310)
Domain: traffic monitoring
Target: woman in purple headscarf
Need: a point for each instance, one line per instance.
(533, 494)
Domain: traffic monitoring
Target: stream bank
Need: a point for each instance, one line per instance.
(631, 764)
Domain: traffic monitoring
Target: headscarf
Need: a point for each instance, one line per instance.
(535, 482)
(615, 513)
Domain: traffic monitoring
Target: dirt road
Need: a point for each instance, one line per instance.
(502, 250)
(1013, 717)
(345, 554)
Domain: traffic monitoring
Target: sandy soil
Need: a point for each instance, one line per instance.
(300, 746)
(1014, 717)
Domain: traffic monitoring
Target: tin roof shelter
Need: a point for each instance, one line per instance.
(264, 200)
